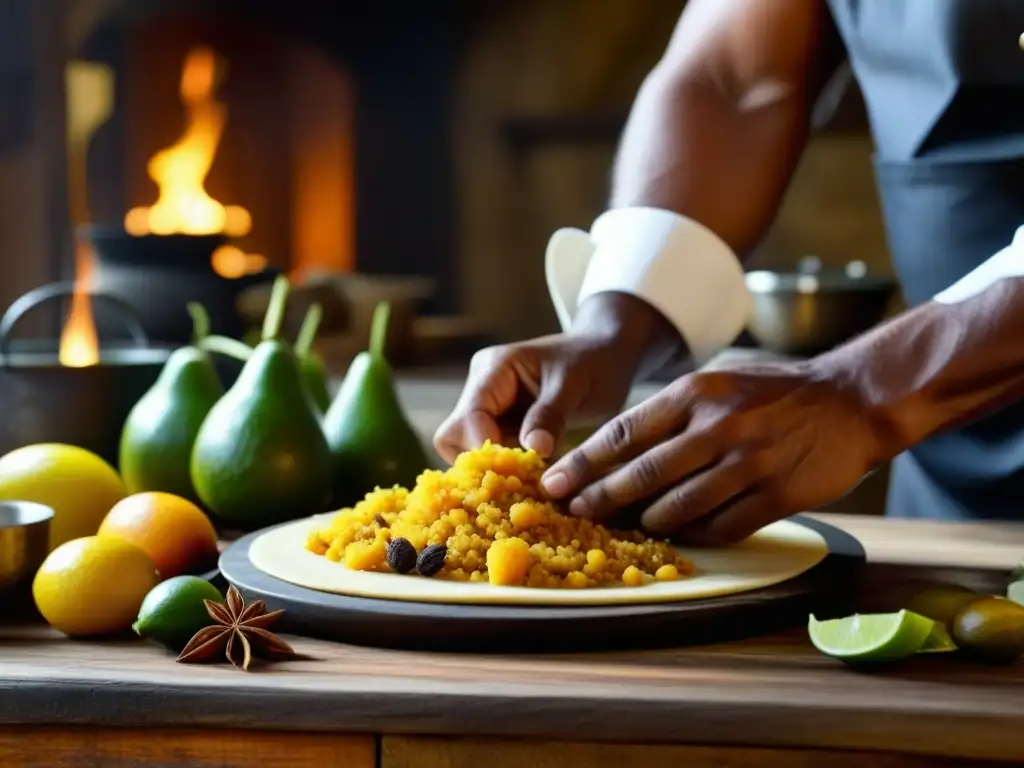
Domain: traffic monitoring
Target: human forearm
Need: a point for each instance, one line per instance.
(721, 159)
(710, 146)
(718, 126)
(713, 138)
(686, 271)
(936, 366)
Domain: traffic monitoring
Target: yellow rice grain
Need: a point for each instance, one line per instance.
(490, 494)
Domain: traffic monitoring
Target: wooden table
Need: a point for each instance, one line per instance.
(770, 701)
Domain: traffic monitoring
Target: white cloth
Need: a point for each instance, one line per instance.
(1008, 262)
(675, 264)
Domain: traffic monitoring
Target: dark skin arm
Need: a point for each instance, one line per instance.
(719, 125)
(716, 456)
(936, 367)
(715, 133)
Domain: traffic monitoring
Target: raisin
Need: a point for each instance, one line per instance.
(401, 555)
(431, 559)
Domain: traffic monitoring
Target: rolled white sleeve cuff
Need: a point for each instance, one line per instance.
(675, 264)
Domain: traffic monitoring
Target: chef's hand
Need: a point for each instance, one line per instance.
(718, 455)
(529, 393)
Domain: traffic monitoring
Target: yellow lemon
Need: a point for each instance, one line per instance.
(79, 486)
(94, 585)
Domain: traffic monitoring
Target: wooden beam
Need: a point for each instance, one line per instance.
(401, 752)
(159, 747)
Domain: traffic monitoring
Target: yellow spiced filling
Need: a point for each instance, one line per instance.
(486, 519)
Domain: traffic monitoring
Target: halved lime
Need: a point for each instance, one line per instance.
(871, 636)
(938, 641)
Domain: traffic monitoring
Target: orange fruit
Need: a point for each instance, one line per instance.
(175, 533)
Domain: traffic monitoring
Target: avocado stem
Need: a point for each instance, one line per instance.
(307, 333)
(226, 346)
(200, 321)
(275, 310)
(379, 329)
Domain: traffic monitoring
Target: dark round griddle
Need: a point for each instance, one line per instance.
(825, 590)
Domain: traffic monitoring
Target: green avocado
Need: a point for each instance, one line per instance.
(371, 440)
(260, 457)
(158, 435)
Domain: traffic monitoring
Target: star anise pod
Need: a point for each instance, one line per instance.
(239, 632)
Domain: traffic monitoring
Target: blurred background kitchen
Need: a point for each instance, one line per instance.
(168, 150)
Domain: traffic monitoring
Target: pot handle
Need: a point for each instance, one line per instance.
(45, 293)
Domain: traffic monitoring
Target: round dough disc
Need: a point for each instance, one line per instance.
(777, 553)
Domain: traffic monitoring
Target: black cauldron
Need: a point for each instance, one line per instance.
(46, 402)
(157, 275)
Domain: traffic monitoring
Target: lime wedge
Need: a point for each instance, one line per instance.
(938, 640)
(872, 636)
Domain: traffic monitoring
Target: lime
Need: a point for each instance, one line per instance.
(941, 602)
(872, 636)
(938, 641)
(991, 628)
(175, 610)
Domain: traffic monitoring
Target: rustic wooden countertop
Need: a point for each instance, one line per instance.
(773, 691)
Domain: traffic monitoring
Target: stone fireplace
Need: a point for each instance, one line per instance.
(373, 138)
(334, 141)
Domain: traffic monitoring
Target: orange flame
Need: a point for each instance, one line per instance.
(183, 205)
(79, 345)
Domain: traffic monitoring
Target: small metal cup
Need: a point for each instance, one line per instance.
(24, 541)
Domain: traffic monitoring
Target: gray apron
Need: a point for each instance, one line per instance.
(943, 82)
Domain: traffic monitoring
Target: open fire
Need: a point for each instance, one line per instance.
(183, 205)
(79, 343)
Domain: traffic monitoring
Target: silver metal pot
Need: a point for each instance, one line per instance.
(24, 543)
(812, 310)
